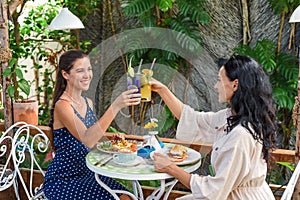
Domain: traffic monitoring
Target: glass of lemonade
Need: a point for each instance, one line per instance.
(145, 86)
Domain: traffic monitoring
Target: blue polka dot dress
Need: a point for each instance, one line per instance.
(67, 176)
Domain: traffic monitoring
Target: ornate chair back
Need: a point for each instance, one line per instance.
(29, 143)
(7, 174)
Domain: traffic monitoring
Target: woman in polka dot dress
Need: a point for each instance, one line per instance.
(76, 129)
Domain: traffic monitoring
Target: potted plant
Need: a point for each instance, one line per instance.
(28, 42)
(24, 109)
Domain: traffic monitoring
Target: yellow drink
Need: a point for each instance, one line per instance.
(146, 93)
(145, 86)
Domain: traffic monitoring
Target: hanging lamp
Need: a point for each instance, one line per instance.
(65, 20)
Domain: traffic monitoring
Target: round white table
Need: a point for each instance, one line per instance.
(143, 170)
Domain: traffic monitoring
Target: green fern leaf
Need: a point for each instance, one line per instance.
(186, 35)
(195, 10)
(138, 7)
(148, 20)
(165, 5)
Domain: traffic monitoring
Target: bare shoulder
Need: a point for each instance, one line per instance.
(63, 112)
(63, 107)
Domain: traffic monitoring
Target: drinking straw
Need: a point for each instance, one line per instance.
(152, 64)
(139, 69)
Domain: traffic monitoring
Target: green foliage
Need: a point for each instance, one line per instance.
(138, 7)
(21, 84)
(187, 36)
(165, 5)
(114, 130)
(282, 68)
(37, 43)
(82, 8)
(183, 18)
(287, 5)
(166, 120)
(280, 173)
(195, 10)
(288, 165)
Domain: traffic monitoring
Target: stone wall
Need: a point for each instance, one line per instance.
(220, 37)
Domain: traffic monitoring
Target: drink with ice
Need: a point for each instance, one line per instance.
(145, 85)
(134, 82)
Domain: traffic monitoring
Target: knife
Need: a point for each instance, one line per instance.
(105, 162)
(105, 159)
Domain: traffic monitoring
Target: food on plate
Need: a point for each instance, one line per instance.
(177, 153)
(117, 145)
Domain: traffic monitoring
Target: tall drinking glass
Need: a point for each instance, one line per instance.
(145, 85)
(134, 82)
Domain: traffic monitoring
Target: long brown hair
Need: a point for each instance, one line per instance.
(65, 63)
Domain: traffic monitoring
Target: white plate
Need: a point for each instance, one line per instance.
(192, 155)
(137, 161)
(100, 147)
(106, 146)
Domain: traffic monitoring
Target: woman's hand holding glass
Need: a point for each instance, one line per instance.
(157, 86)
(127, 98)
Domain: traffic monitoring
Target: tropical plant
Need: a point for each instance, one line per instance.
(31, 40)
(283, 8)
(182, 16)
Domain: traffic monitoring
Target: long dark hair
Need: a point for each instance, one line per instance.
(65, 63)
(253, 102)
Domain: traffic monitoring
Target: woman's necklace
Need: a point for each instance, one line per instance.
(77, 102)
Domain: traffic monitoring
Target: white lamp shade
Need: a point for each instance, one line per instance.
(295, 16)
(65, 20)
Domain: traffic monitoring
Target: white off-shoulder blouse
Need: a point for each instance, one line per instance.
(236, 158)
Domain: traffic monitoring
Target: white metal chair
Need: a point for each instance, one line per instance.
(25, 149)
(288, 192)
(7, 175)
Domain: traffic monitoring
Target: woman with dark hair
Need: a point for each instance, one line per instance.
(242, 135)
(76, 130)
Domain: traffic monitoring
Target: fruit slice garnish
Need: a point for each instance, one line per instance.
(147, 72)
(130, 70)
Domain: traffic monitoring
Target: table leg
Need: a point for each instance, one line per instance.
(114, 192)
(137, 190)
(158, 193)
(171, 184)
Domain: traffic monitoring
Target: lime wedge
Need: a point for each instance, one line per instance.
(130, 70)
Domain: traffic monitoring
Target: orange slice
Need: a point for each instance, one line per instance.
(147, 72)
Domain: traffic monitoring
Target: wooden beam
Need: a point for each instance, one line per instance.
(278, 155)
